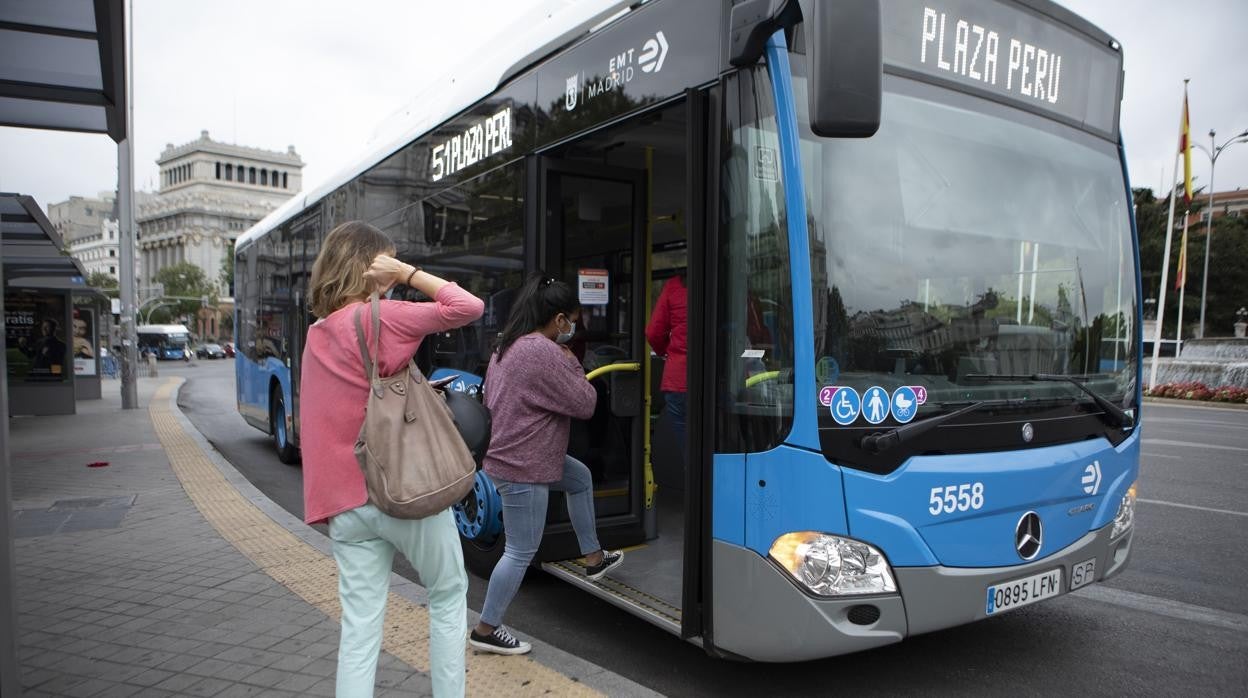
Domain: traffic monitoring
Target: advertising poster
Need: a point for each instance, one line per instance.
(34, 337)
(85, 340)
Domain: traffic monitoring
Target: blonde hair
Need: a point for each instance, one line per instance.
(338, 273)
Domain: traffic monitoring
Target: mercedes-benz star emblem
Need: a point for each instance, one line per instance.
(1027, 535)
(1028, 433)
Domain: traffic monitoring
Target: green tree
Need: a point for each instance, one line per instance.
(1228, 277)
(188, 281)
(226, 275)
(104, 282)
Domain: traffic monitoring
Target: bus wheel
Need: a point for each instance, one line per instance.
(286, 451)
(479, 518)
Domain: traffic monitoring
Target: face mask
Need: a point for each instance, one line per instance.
(565, 337)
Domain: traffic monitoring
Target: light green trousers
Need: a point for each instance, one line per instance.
(364, 543)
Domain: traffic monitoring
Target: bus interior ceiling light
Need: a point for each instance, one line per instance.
(1126, 513)
(830, 565)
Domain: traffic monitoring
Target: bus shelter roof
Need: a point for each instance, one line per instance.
(32, 250)
(62, 65)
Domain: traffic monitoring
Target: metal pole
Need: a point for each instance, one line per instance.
(10, 685)
(1165, 261)
(1178, 332)
(1204, 277)
(126, 231)
(1165, 279)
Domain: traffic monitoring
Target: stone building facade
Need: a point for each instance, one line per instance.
(210, 192)
(88, 227)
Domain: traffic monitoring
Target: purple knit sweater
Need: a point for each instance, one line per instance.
(533, 393)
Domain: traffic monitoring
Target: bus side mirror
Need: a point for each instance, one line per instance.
(845, 55)
(844, 51)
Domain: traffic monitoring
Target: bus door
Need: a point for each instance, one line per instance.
(594, 234)
(591, 227)
(304, 245)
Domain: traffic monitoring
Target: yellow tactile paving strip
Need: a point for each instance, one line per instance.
(313, 576)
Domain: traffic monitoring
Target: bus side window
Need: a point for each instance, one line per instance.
(754, 347)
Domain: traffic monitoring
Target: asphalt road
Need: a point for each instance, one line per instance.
(1175, 622)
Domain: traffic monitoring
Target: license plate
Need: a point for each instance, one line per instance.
(1082, 574)
(1020, 592)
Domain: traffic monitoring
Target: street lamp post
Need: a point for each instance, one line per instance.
(1213, 161)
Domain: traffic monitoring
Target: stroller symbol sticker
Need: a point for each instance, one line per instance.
(845, 406)
(905, 404)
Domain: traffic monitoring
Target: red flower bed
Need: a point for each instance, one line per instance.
(1192, 390)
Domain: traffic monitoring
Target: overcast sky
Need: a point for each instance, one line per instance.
(321, 75)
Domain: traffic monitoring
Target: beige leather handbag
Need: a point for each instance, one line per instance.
(414, 460)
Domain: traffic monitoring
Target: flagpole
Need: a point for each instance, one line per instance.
(1165, 263)
(1182, 272)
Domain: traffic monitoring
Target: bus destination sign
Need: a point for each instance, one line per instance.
(478, 140)
(1010, 52)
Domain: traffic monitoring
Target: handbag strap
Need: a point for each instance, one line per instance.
(370, 365)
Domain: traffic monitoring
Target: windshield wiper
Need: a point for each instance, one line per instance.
(882, 441)
(1114, 414)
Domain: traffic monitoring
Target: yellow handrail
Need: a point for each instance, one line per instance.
(760, 377)
(613, 368)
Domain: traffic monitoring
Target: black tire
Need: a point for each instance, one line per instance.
(287, 452)
(480, 560)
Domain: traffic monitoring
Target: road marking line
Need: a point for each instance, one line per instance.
(1193, 444)
(1193, 506)
(313, 576)
(1165, 607)
(1194, 421)
(1161, 455)
(1226, 406)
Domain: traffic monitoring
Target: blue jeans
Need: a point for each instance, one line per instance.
(524, 518)
(364, 543)
(676, 410)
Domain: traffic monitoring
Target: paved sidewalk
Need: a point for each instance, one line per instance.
(164, 573)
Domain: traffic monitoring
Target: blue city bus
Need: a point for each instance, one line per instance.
(913, 300)
(166, 342)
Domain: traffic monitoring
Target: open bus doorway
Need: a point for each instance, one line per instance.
(615, 224)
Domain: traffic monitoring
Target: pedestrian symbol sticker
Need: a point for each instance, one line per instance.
(845, 405)
(905, 404)
(875, 404)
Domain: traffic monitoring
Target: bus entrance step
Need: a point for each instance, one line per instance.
(619, 594)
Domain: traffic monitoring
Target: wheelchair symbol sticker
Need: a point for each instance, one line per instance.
(845, 406)
(905, 404)
(875, 404)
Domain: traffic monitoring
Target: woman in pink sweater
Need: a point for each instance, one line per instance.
(356, 260)
(534, 386)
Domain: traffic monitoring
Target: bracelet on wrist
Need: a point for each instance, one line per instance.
(408, 283)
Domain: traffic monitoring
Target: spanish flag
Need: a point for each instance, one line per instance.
(1185, 148)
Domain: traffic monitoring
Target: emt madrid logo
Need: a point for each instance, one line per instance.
(1091, 479)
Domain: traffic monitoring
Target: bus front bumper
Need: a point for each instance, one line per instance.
(760, 614)
(942, 597)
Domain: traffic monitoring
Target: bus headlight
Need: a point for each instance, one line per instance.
(830, 565)
(1126, 513)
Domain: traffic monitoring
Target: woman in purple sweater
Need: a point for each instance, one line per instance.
(534, 386)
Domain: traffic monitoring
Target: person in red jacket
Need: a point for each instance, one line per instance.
(667, 334)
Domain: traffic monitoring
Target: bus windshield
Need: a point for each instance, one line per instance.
(964, 247)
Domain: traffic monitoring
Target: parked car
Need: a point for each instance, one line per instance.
(210, 351)
(229, 349)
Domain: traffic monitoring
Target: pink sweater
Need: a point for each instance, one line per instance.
(533, 393)
(334, 390)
